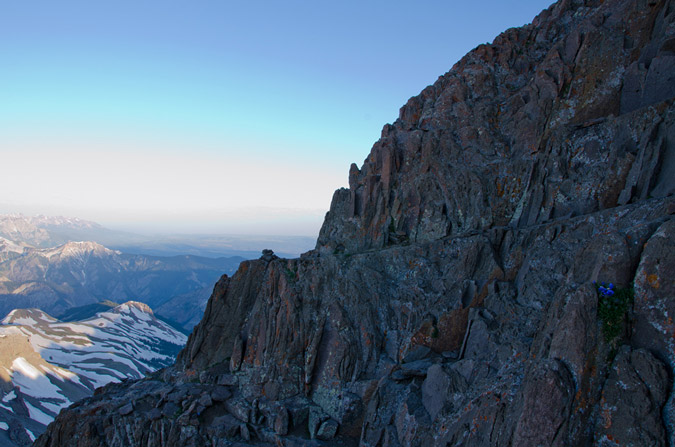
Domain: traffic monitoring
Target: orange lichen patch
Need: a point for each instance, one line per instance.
(606, 418)
(250, 354)
(584, 396)
(653, 281)
(447, 335)
(605, 414)
(500, 189)
(578, 396)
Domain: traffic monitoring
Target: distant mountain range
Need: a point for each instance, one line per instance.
(46, 231)
(81, 273)
(44, 264)
(46, 364)
(61, 266)
(51, 231)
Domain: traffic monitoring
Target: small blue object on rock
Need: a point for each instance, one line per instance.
(606, 291)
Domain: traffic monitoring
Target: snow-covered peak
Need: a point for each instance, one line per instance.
(10, 246)
(28, 317)
(47, 364)
(18, 228)
(133, 308)
(79, 249)
(136, 318)
(61, 221)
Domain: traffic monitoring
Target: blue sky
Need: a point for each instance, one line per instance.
(213, 116)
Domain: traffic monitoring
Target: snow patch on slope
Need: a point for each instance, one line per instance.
(10, 246)
(51, 364)
(30, 317)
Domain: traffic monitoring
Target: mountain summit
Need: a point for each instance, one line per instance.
(46, 364)
(75, 274)
(455, 295)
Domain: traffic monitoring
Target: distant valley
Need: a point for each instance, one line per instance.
(60, 263)
(47, 364)
(65, 334)
(81, 273)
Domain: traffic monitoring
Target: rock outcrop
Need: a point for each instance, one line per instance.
(450, 298)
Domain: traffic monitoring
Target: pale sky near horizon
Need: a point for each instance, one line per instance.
(213, 116)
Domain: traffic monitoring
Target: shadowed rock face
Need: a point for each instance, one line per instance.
(449, 300)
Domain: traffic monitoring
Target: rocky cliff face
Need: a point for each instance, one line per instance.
(450, 299)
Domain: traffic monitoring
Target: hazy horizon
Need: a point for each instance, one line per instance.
(213, 117)
(236, 222)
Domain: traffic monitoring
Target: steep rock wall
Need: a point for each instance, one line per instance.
(526, 130)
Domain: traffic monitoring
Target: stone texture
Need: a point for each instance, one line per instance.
(17, 433)
(547, 403)
(327, 430)
(126, 409)
(435, 390)
(536, 133)
(449, 300)
(632, 398)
